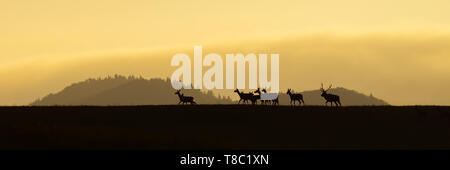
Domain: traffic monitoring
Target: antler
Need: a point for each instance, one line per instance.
(321, 87)
(330, 87)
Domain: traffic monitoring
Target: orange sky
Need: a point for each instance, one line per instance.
(41, 40)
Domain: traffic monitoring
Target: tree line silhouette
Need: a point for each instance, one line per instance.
(256, 95)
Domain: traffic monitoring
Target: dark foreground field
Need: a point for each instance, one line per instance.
(224, 127)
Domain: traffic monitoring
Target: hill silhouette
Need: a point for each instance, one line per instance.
(131, 90)
(121, 90)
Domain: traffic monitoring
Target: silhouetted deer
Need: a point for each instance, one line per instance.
(184, 99)
(255, 98)
(245, 96)
(330, 97)
(258, 91)
(295, 97)
(266, 98)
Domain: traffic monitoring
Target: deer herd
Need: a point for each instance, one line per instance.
(256, 95)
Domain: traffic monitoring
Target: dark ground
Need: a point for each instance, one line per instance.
(225, 127)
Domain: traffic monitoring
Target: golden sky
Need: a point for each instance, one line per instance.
(42, 41)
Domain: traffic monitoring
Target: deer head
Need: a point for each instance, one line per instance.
(324, 92)
(264, 90)
(288, 91)
(257, 91)
(178, 92)
(236, 91)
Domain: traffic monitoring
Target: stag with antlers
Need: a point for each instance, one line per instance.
(245, 97)
(295, 97)
(184, 99)
(330, 97)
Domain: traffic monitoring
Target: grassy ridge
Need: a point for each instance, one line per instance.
(224, 127)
